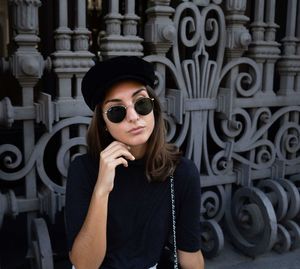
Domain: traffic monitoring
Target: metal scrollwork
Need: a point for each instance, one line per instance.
(293, 198)
(64, 149)
(212, 238)
(283, 242)
(194, 77)
(12, 156)
(287, 142)
(251, 221)
(294, 230)
(277, 195)
(296, 182)
(213, 203)
(41, 245)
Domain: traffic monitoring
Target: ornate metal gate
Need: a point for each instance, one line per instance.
(229, 80)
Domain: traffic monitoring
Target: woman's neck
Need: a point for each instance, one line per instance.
(138, 151)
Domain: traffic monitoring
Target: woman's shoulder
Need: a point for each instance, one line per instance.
(83, 160)
(83, 163)
(82, 170)
(186, 176)
(186, 166)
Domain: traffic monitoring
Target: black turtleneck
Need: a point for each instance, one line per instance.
(139, 213)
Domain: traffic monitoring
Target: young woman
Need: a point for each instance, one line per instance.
(118, 202)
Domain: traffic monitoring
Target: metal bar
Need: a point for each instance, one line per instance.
(62, 17)
(270, 101)
(216, 180)
(80, 14)
(291, 18)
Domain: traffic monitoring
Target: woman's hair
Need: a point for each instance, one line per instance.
(161, 157)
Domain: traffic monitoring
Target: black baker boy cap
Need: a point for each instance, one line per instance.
(105, 74)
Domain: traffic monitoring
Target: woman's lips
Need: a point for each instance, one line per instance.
(136, 130)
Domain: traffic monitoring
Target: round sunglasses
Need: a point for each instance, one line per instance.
(142, 106)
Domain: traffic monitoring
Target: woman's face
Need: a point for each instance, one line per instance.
(135, 129)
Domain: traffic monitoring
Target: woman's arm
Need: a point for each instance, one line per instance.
(89, 247)
(191, 260)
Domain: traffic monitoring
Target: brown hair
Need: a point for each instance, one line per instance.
(161, 157)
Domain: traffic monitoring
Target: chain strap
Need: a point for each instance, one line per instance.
(174, 221)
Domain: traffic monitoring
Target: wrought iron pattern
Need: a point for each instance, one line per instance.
(223, 105)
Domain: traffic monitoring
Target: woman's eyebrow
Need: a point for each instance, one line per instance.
(138, 91)
(119, 100)
(112, 100)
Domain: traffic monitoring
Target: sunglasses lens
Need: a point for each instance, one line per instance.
(116, 114)
(144, 106)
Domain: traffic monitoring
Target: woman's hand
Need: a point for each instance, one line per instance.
(191, 260)
(113, 155)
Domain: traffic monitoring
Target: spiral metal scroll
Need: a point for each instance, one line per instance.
(213, 203)
(12, 157)
(294, 231)
(251, 221)
(212, 238)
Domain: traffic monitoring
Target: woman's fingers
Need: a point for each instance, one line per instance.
(115, 144)
(121, 161)
(116, 151)
(115, 154)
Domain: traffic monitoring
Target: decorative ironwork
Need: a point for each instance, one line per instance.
(216, 80)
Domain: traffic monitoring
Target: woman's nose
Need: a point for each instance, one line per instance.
(131, 114)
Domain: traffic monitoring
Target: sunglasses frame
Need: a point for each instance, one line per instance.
(107, 111)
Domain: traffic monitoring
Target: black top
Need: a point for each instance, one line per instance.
(139, 213)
